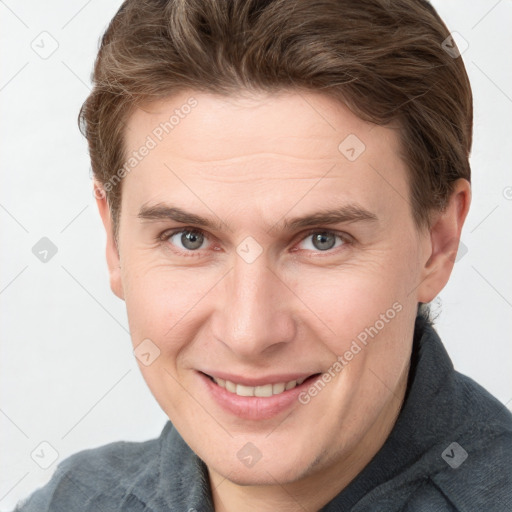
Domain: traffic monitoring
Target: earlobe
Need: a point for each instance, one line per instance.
(444, 241)
(112, 253)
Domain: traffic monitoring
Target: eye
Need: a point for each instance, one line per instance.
(191, 240)
(324, 241)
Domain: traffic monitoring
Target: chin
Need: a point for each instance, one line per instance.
(263, 472)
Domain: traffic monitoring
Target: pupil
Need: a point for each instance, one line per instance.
(323, 238)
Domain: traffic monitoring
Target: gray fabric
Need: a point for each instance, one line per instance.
(409, 473)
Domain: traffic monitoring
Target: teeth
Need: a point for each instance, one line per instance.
(291, 384)
(263, 391)
(278, 388)
(244, 390)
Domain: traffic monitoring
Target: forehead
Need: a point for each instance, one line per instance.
(261, 145)
(260, 122)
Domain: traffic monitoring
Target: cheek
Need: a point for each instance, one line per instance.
(346, 299)
(162, 303)
(364, 301)
(159, 306)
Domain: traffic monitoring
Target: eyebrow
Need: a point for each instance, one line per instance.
(344, 214)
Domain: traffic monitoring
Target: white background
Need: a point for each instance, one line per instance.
(68, 375)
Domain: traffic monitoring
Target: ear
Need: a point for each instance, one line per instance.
(443, 242)
(112, 253)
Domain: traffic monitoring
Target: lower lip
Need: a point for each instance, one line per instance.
(254, 407)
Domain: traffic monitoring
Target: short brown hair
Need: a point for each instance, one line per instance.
(383, 59)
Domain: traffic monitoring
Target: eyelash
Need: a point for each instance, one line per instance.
(166, 235)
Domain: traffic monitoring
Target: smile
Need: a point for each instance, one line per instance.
(258, 398)
(265, 390)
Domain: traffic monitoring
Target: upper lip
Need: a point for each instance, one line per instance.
(259, 381)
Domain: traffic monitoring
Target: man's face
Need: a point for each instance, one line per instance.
(257, 300)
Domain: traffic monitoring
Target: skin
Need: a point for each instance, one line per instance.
(249, 162)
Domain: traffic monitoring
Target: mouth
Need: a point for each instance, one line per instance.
(262, 391)
(256, 399)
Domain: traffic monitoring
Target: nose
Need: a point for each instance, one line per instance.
(254, 316)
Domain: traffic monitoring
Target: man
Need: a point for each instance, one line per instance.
(283, 186)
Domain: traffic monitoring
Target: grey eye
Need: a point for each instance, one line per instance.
(322, 241)
(190, 240)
